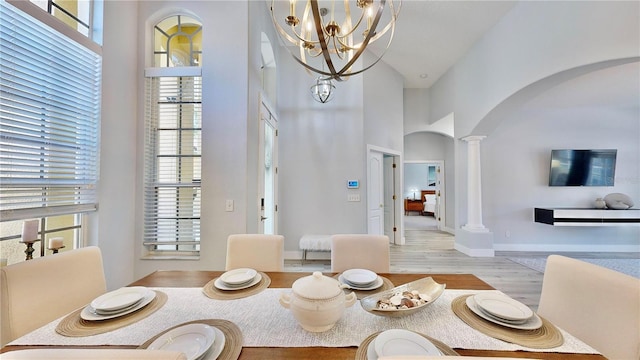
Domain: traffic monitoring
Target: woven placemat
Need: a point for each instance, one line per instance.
(361, 353)
(547, 336)
(74, 326)
(386, 285)
(232, 337)
(214, 293)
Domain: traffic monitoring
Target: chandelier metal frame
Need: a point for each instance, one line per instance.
(335, 42)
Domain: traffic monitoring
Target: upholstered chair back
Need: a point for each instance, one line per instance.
(360, 251)
(36, 292)
(599, 306)
(93, 354)
(256, 251)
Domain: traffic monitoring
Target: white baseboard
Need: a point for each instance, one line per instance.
(566, 247)
(474, 252)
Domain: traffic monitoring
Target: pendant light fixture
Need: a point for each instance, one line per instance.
(322, 90)
(334, 33)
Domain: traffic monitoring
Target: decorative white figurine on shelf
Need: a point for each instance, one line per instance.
(600, 203)
(618, 201)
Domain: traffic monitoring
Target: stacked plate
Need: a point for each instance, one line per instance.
(118, 303)
(238, 279)
(196, 341)
(398, 342)
(503, 310)
(360, 279)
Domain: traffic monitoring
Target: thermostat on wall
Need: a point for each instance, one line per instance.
(353, 184)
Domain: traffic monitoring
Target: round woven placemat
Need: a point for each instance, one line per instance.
(213, 292)
(386, 285)
(547, 336)
(361, 353)
(74, 326)
(232, 337)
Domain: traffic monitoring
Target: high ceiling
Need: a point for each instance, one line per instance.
(431, 36)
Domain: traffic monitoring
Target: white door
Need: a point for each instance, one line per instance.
(268, 172)
(375, 194)
(440, 197)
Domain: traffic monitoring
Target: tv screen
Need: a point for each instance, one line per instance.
(582, 167)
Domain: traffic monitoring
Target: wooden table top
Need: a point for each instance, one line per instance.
(286, 279)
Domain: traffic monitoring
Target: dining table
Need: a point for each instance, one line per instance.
(174, 280)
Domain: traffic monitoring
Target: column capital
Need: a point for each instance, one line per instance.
(473, 138)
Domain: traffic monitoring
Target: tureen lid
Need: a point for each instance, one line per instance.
(316, 286)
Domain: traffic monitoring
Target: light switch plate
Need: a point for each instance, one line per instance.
(353, 197)
(228, 206)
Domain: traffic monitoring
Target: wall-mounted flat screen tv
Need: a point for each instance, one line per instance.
(582, 167)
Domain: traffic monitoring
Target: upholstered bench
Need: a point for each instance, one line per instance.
(314, 243)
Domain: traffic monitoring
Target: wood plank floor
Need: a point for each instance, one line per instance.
(428, 251)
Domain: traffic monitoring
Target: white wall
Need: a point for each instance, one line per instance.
(516, 159)
(112, 228)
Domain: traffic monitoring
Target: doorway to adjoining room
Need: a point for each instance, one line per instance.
(422, 195)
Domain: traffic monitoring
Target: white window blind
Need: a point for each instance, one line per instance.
(49, 120)
(172, 164)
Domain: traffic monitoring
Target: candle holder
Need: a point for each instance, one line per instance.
(55, 250)
(29, 251)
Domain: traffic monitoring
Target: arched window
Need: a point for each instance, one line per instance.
(177, 42)
(173, 127)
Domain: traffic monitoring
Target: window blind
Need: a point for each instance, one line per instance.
(172, 164)
(49, 120)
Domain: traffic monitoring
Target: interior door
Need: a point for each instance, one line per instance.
(389, 196)
(268, 172)
(375, 194)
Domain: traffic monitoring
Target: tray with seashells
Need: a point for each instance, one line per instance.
(405, 299)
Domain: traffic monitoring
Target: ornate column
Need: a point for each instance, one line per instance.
(474, 185)
(473, 238)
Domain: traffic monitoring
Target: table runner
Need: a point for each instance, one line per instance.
(265, 323)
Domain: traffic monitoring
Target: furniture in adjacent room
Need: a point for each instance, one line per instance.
(362, 251)
(36, 292)
(320, 243)
(599, 306)
(257, 251)
(430, 202)
(412, 205)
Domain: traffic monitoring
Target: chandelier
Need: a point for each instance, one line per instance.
(322, 90)
(335, 34)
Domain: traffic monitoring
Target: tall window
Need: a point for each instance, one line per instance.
(173, 124)
(49, 124)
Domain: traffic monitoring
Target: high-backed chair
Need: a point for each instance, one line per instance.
(599, 306)
(256, 251)
(92, 354)
(36, 292)
(360, 251)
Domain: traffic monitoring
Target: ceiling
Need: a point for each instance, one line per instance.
(431, 36)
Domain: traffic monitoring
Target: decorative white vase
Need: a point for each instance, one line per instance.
(600, 203)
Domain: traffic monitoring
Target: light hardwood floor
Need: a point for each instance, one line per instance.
(432, 252)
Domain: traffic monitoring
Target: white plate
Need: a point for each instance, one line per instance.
(222, 286)
(238, 276)
(371, 351)
(404, 342)
(193, 340)
(533, 323)
(376, 284)
(360, 277)
(119, 299)
(217, 347)
(503, 306)
(88, 313)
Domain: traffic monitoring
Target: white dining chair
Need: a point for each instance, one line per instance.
(35, 292)
(93, 354)
(597, 305)
(360, 251)
(257, 251)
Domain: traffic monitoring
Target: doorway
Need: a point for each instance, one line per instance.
(383, 186)
(424, 196)
(268, 172)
